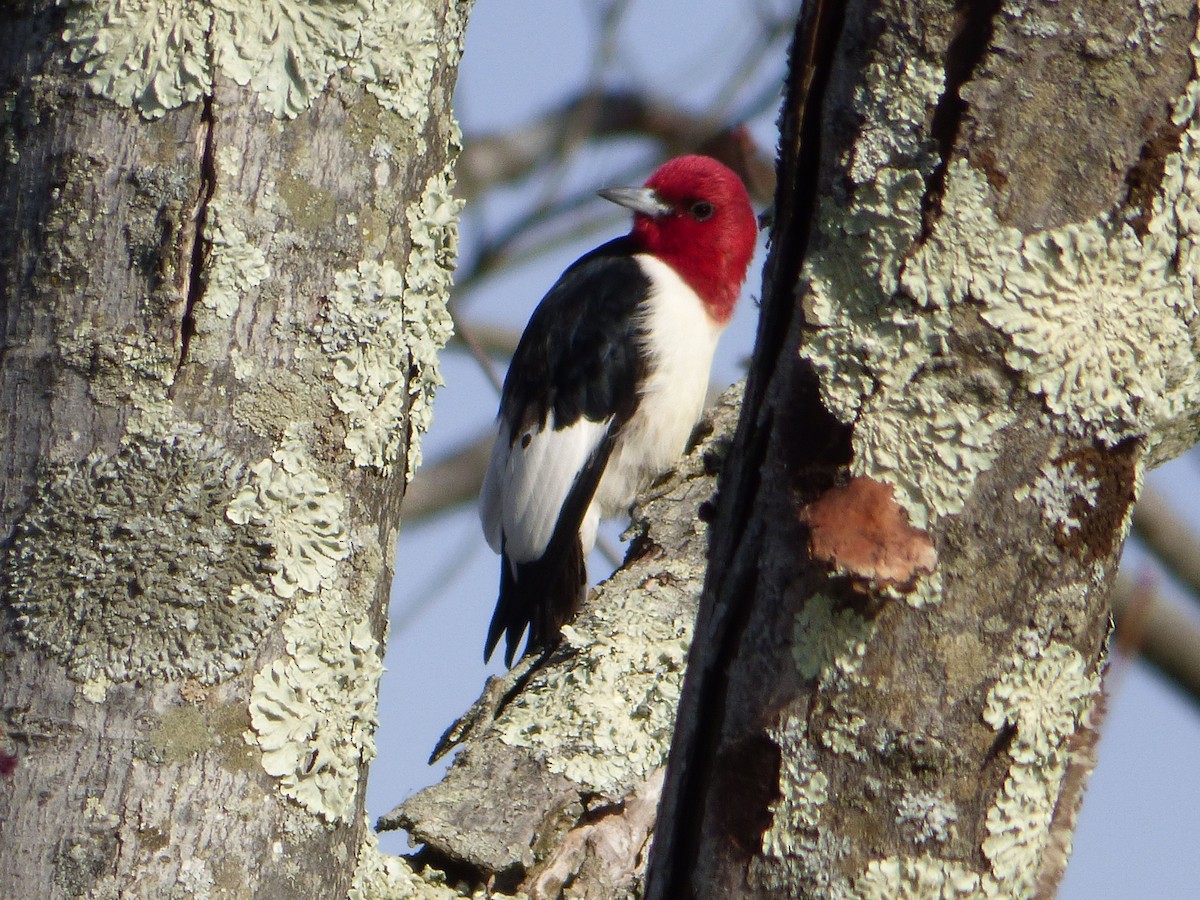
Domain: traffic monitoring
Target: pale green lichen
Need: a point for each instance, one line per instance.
(95, 689)
(235, 265)
(314, 711)
(791, 843)
(917, 878)
(894, 98)
(948, 267)
(398, 57)
(875, 352)
(612, 735)
(148, 54)
(126, 567)
(862, 342)
(1018, 825)
(829, 643)
(94, 810)
(929, 815)
(286, 50)
(1101, 322)
(9, 150)
(124, 370)
(302, 516)
(930, 443)
(157, 56)
(380, 876)
(195, 879)
(928, 590)
(842, 728)
(1084, 309)
(1150, 27)
(365, 339)
(384, 331)
(1027, 19)
(433, 227)
(1057, 490)
(245, 365)
(865, 342)
(1043, 699)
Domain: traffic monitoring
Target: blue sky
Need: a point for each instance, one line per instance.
(1139, 832)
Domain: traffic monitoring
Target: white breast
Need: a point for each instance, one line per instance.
(680, 339)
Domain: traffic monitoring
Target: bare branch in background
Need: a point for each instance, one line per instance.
(493, 160)
(1160, 632)
(465, 336)
(1169, 539)
(492, 340)
(451, 481)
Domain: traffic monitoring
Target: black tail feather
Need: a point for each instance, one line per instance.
(505, 617)
(544, 594)
(540, 597)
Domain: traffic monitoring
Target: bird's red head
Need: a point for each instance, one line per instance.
(694, 214)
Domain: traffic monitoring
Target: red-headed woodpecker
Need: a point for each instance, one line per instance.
(606, 385)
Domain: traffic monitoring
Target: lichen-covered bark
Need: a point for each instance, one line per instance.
(560, 763)
(227, 243)
(980, 312)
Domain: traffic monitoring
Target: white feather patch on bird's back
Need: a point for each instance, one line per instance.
(679, 340)
(528, 481)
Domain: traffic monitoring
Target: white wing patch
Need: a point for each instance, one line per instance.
(527, 483)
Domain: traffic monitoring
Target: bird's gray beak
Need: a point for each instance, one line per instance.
(641, 200)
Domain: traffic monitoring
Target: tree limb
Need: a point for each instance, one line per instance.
(496, 159)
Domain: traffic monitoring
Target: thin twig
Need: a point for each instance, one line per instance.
(465, 333)
(1170, 639)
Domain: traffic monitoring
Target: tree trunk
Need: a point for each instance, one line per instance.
(979, 328)
(227, 243)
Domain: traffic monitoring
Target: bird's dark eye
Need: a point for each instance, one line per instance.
(701, 210)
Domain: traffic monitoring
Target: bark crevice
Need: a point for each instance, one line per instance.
(674, 858)
(1144, 180)
(201, 245)
(963, 56)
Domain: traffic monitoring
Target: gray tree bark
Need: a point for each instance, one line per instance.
(979, 329)
(228, 230)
